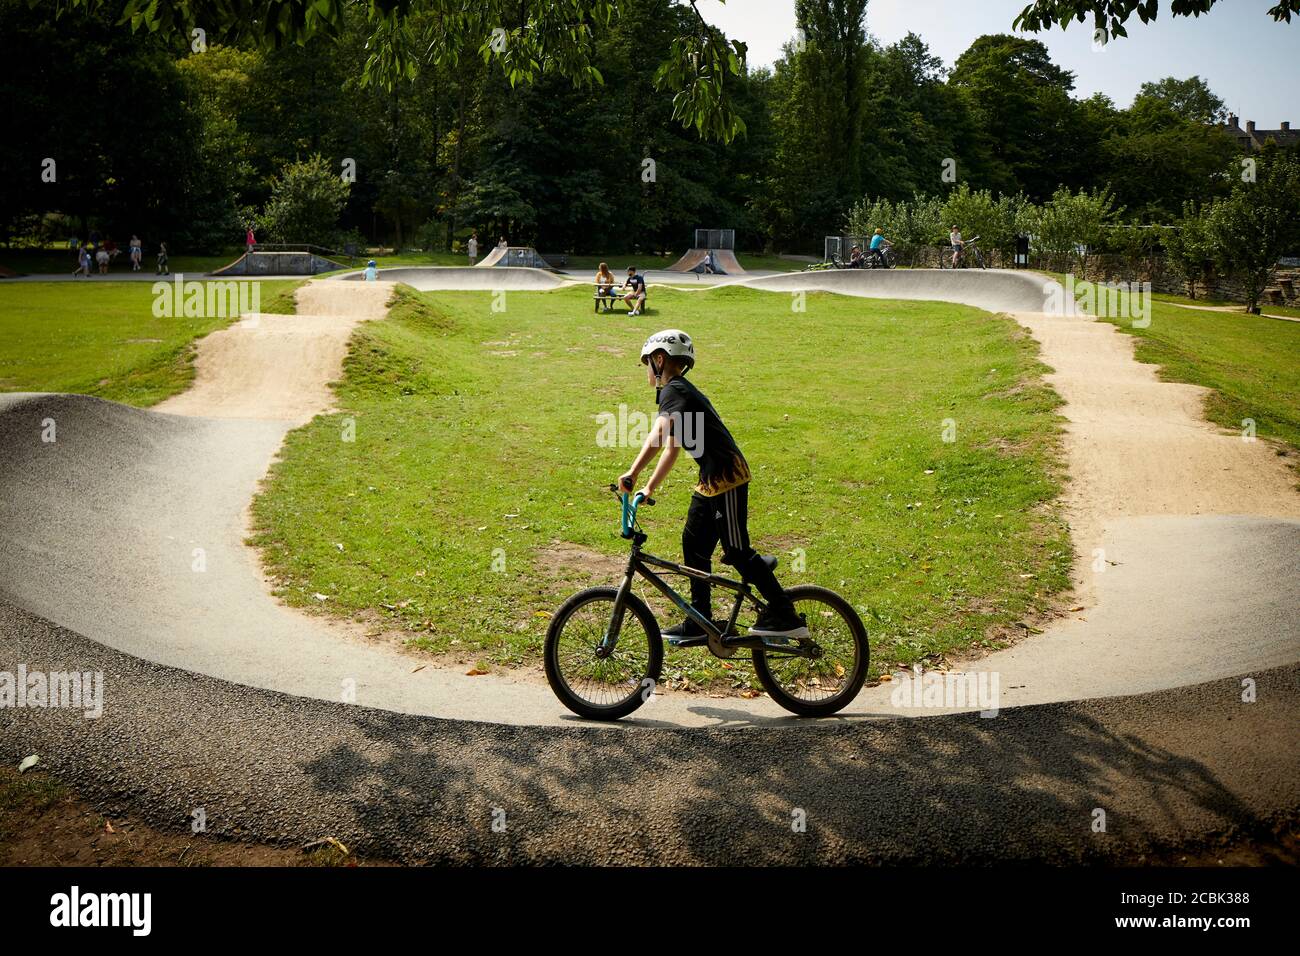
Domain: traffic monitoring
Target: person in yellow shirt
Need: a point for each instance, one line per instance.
(719, 509)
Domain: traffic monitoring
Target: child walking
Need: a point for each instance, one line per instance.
(719, 507)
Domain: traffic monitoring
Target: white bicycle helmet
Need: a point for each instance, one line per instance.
(673, 342)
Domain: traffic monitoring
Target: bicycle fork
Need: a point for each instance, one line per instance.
(607, 643)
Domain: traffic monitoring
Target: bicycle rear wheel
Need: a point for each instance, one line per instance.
(595, 686)
(823, 685)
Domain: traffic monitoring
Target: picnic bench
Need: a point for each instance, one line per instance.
(615, 297)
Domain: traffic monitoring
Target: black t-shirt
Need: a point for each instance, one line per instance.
(636, 282)
(699, 430)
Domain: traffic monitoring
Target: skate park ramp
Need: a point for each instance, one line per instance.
(723, 259)
(995, 290)
(467, 278)
(279, 264)
(513, 257)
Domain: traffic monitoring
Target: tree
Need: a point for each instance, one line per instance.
(816, 102)
(219, 82)
(1257, 225)
(1109, 16)
(117, 170)
(996, 221)
(1192, 99)
(1166, 149)
(1072, 224)
(917, 126)
(523, 39)
(1190, 248)
(1023, 103)
(909, 224)
(306, 200)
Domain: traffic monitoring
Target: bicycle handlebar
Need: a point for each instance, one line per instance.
(630, 505)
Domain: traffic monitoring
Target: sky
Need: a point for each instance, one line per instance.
(1250, 62)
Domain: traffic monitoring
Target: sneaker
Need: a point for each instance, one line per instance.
(688, 633)
(688, 628)
(780, 624)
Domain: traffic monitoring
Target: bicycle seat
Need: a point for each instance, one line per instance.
(770, 560)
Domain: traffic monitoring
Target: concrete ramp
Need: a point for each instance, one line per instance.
(505, 257)
(995, 290)
(723, 260)
(279, 264)
(467, 278)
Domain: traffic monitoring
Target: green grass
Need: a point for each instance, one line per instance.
(103, 339)
(476, 439)
(1251, 362)
(1289, 311)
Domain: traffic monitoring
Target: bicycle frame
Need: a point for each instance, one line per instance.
(640, 562)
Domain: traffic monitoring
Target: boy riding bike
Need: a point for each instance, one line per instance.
(718, 512)
(879, 246)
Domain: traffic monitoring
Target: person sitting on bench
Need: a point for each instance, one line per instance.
(636, 298)
(605, 288)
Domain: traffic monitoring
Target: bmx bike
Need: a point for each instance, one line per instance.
(604, 650)
(968, 256)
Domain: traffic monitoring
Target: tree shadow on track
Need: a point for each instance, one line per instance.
(959, 789)
(1168, 769)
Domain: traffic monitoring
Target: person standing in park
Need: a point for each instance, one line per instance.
(83, 261)
(955, 240)
(101, 259)
(163, 269)
(136, 253)
(472, 247)
(250, 240)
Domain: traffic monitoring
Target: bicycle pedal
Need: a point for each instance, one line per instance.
(687, 641)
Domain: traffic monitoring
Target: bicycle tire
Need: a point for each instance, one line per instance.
(852, 680)
(636, 683)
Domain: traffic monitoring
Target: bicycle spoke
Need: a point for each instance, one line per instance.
(816, 679)
(602, 681)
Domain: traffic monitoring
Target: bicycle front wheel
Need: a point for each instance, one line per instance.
(822, 685)
(594, 684)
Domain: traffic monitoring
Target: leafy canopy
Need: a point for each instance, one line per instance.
(1109, 16)
(523, 38)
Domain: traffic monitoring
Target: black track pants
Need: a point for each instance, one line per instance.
(723, 519)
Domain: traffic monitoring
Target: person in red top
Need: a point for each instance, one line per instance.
(250, 240)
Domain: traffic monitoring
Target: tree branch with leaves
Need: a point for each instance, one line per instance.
(523, 38)
(1110, 16)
